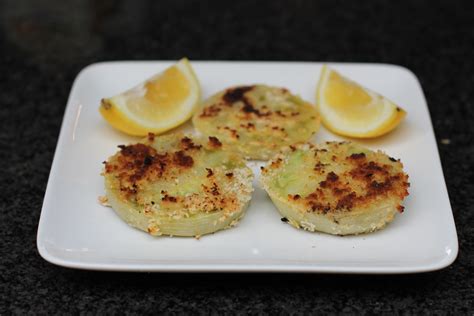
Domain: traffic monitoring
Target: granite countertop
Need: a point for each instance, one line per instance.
(44, 45)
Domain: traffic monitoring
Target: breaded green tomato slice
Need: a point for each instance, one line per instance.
(257, 120)
(338, 188)
(178, 185)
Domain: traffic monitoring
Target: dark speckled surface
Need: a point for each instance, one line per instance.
(44, 46)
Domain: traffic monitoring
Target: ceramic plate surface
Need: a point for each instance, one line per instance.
(76, 231)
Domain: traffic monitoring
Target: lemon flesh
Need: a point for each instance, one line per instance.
(161, 103)
(348, 109)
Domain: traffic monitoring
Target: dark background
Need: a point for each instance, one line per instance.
(44, 44)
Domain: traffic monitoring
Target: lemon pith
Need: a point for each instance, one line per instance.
(161, 103)
(348, 109)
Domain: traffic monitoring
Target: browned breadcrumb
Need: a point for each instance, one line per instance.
(103, 200)
(187, 144)
(214, 142)
(361, 181)
(236, 94)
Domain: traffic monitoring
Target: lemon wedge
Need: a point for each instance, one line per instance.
(348, 109)
(156, 105)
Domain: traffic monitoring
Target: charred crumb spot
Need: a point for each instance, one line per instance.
(152, 202)
(169, 198)
(317, 206)
(367, 170)
(248, 126)
(210, 173)
(229, 175)
(295, 113)
(332, 177)
(335, 221)
(214, 142)
(279, 113)
(233, 132)
(148, 160)
(248, 107)
(284, 220)
(339, 191)
(333, 158)
(380, 187)
(398, 109)
(294, 197)
(210, 111)
(392, 159)
(215, 189)
(400, 208)
(262, 168)
(282, 129)
(104, 162)
(181, 159)
(319, 166)
(151, 137)
(236, 94)
(136, 150)
(347, 202)
(292, 147)
(357, 156)
(188, 144)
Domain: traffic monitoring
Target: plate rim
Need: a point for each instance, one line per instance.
(442, 263)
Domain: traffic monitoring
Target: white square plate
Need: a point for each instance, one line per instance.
(75, 231)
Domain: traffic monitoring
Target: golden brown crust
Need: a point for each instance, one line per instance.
(141, 161)
(348, 181)
(137, 167)
(236, 96)
(257, 120)
(375, 180)
(214, 142)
